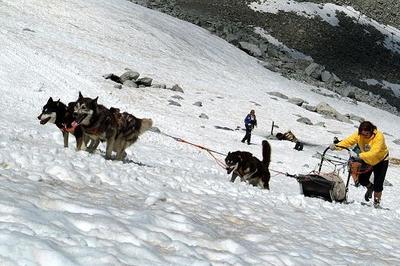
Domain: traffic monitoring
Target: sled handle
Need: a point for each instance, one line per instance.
(323, 156)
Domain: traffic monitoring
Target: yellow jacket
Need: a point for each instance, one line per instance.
(373, 149)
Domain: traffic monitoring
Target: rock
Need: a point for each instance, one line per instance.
(296, 101)
(355, 117)
(159, 86)
(130, 84)
(177, 88)
(171, 102)
(320, 124)
(304, 120)
(203, 115)
(326, 76)
(224, 128)
(144, 81)
(199, 104)
(325, 109)
(129, 75)
(278, 94)
(311, 68)
(329, 112)
(387, 183)
(177, 97)
(250, 48)
(310, 108)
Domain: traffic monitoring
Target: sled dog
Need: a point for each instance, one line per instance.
(129, 129)
(59, 114)
(97, 123)
(118, 130)
(249, 168)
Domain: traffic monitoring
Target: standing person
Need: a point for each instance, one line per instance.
(374, 152)
(249, 122)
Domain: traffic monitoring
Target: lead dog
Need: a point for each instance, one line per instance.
(59, 114)
(249, 168)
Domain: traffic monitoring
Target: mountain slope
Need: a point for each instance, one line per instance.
(172, 204)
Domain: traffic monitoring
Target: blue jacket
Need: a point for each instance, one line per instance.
(250, 121)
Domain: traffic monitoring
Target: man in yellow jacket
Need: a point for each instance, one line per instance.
(374, 152)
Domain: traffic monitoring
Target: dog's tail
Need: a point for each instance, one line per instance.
(147, 123)
(266, 152)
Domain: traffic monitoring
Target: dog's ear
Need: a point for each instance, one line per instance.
(93, 102)
(58, 102)
(50, 100)
(80, 95)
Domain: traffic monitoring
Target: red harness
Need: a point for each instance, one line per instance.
(70, 129)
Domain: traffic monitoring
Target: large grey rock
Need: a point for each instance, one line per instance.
(130, 83)
(144, 81)
(250, 48)
(129, 75)
(330, 112)
(326, 76)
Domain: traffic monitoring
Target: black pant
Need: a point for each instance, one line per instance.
(248, 134)
(379, 171)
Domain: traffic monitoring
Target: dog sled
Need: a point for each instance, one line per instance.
(328, 186)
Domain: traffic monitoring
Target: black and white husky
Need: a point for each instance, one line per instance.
(59, 114)
(118, 130)
(249, 168)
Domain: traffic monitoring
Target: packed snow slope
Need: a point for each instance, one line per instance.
(170, 203)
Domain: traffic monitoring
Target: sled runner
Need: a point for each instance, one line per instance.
(327, 186)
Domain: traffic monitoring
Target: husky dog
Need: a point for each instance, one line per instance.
(118, 130)
(129, 130)
(59, 114)
(249, 168)
(97, 123)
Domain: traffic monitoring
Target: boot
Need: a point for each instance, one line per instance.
(377, 199)
(368, 194)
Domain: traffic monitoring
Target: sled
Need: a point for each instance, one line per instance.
(327, 186)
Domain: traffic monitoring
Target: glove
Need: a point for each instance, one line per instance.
(332, 147)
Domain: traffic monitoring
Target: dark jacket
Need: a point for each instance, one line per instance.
(250, 121)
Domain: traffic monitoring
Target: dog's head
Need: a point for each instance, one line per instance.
(232, 161)
(84, 109)
(49, 111)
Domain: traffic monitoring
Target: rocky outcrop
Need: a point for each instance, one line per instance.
(386, 12)
(341, 56)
